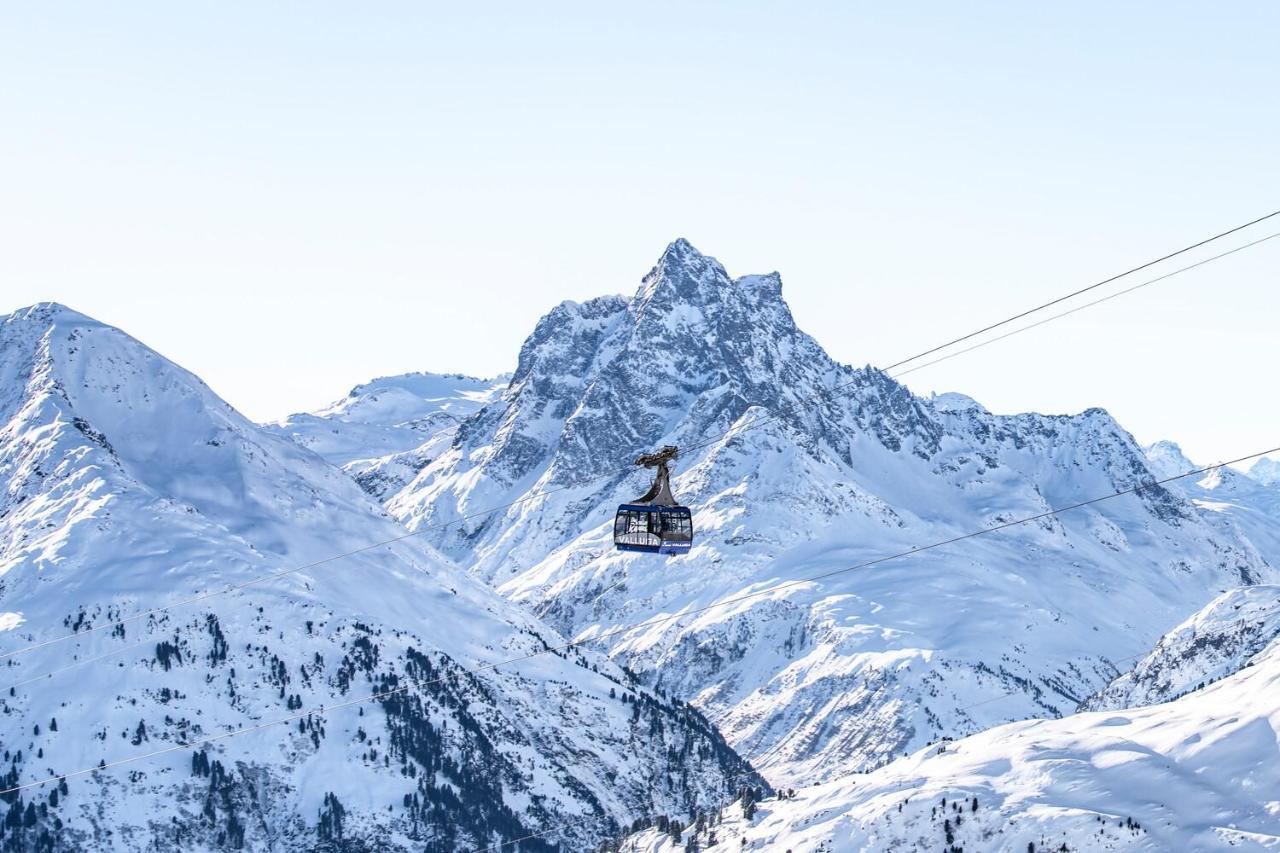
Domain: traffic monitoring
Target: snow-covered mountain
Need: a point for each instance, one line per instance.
(125, 485)
(1266, 471)
(1216, 642)
(820, 678)
(1239, 505)
(384, 431)
(1199, 773)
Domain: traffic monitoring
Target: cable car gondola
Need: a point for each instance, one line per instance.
(655, 523)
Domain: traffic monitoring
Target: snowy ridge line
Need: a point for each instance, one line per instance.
(326, 709)
(833, 391)
(960, 708)
(204, 596)
(922, 548)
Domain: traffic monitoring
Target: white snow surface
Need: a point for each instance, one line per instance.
(388, 415)
(126, 484)
(1266, 471)
(821, 678)
(1242, 507)
(1200, 773)
(1216, 642)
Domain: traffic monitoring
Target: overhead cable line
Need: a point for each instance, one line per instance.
(1082, 290)
(410, 684)
(828, 392)
(1080, 308)
(51, 673)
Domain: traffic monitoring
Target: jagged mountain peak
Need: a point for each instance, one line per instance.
(1166, 459)
(830, 479)
(681, 269)
(680, 247)
(562, 337)
(683, 358)
(684, 278)
(681, 254)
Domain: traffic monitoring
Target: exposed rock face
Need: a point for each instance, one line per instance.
(1197, 773)
(788, 482)
(1216, 642)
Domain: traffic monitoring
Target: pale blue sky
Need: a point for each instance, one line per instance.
(290, 200)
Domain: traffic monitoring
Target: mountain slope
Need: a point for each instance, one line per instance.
(385, 431)
(1216, 642)
(1266, 471)
(1238, 504)
(1200, 773)
(127, 484)
(388, 416)
(822, 677)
